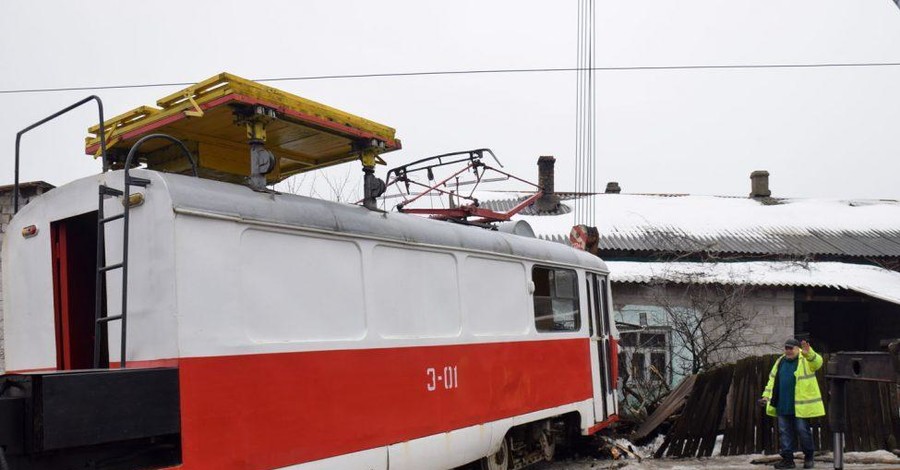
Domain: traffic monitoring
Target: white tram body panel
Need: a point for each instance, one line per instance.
(312, 334)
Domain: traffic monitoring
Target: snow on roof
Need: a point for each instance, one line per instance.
(873, 281)
(27, 185)
(732, 224)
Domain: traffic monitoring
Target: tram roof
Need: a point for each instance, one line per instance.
(204, 197)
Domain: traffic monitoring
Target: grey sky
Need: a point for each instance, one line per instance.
(821, 132)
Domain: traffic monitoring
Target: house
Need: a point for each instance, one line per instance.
(759, 268)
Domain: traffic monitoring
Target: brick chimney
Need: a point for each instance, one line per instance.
(759, 184)
(549, 202)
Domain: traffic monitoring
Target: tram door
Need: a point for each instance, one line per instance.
(74, 257)
(601, 358)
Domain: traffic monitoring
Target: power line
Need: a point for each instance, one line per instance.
(475, 72)
(585, 113)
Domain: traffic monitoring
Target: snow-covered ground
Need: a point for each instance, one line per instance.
(741, 462)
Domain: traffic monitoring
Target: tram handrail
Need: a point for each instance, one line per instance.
(50, 118)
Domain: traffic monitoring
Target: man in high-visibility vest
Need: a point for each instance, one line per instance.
(793, 395)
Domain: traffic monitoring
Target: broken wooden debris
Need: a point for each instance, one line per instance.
(671, 405)
(617, 450)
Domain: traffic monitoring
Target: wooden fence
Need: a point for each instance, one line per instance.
(724, 401)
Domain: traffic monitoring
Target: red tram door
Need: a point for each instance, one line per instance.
(601, 349)
(74, 257)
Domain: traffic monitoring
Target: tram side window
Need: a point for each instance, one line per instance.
(556, 306)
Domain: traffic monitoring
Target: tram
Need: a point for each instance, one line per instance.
(173, 315)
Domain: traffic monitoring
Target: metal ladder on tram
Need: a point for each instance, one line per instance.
(101, 320)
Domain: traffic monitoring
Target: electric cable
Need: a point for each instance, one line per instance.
(592, 111)
(578, 103)
(477, 72)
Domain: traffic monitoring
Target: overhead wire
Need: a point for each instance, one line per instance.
(474, 72)
(585, 140)
(586, 108)
(592, 109)
(588, 102)
(579, 218)
(578, 170)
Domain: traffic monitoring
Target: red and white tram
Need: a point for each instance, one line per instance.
(269, 330)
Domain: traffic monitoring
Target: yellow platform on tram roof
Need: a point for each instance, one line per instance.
(303, 136)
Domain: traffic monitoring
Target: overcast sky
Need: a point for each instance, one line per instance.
(820, 132)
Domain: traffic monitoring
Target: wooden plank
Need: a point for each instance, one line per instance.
(743, 382)
(760, 421)
(662, 448)
(726, 376)
(686, 425)
(746, 398)
(755, 412)
(696, 416)
(749, 406)
(690, 447)
(885, 431)
(894, 406)
(883, 418)
(712, 417)
(197, 89)
(825, 436)
(871, 418)
(860, 409)
(669, 406)
(767, 437)
(731, 416)
(124, 118)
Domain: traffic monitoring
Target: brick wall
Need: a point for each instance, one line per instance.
(774, 320)
(771, 311)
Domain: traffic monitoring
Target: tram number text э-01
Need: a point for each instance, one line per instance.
(446, 378)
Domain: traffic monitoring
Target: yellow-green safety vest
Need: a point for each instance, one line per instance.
(807, 397)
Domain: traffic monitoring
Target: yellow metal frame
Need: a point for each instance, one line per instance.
(188, 104)
(223, 84)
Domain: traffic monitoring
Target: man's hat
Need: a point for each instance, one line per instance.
(792, 343)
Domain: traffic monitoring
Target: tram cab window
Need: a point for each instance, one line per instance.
(556, 306)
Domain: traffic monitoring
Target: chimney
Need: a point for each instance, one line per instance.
(549, 202)
(613, 187)
(759, 184)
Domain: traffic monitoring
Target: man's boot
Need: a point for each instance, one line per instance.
(808, 461)
(785, 463)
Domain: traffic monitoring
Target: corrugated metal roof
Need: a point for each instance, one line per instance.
(791, 227)
(873, 281)
(506, 205)
(27, 185)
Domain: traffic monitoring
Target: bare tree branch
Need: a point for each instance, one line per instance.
(323, 184)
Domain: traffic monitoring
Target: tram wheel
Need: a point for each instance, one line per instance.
(499, 460)
(548, 445)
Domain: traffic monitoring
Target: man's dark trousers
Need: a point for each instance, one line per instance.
(788, 425)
